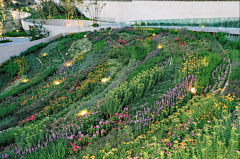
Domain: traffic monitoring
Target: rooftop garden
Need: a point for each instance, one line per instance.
(129, 93)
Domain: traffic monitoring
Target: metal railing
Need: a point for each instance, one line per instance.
(164, 0)
(231, 22)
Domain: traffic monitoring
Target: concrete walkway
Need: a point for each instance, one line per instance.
(15, 40)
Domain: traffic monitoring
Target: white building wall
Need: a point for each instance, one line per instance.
(153, 10)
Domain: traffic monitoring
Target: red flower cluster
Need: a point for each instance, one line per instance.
(75, 147)
(122, 42)
(31, 118)
(177, 38)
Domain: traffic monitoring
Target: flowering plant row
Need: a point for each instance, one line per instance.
(129, 91)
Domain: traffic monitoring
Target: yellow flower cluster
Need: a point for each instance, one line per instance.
(192, 63)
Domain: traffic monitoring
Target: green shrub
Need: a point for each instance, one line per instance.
(126, 36)
(138, 52)
(61, 45)
(216, 46)
(14, 33)
(119, 53)
(22, 63)
(80, 46)
(34, 65)
(12, 69)
(33, 49)
(5, 41)
(94, 25)
(235, 59)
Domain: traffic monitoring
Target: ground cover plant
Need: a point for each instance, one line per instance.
(131, 93)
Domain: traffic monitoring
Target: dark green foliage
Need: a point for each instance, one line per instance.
(235, 57)
(119, 53)
(12, 69)
(15, 33)
(44, 75)
(5, 41)
(138, 52)
(94, 25)
(34, 65)
(216, 46)
(61, 45)
(33, 49)
(7, 73)
(155, 61)
(108, 29)
(38, 32)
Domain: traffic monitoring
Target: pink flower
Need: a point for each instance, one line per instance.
(116, 114)
(23, 121)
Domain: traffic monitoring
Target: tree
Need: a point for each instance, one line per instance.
(70, 9)
(94, 9)
(6, 4)
(37, 32)
(47, 9)
(25, 2)
(6, 22)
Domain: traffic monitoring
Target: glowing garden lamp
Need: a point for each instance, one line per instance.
(160, 46)
(56, 82)
(67, 64)
(83, 112)
(193, 90)
(25, 80)
(104, 80)
(154, 34)
(45, 54)
(85, 36)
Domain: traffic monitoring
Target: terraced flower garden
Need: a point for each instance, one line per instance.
(129, 93)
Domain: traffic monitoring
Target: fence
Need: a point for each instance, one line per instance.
(232, 22)
(164, 0)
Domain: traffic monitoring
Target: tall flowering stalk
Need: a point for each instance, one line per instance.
(173, 97)
(129, 91)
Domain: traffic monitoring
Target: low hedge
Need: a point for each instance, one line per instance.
(5, 41)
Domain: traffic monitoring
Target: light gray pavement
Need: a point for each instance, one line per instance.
(15, 40)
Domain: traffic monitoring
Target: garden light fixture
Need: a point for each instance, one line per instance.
(67, 64)
(85, 36)
(57, 82)
(83, 112)
(159, 46)
(45, 54)
(104, 80)
(193, 90)
(154, 35)
(25, 80)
